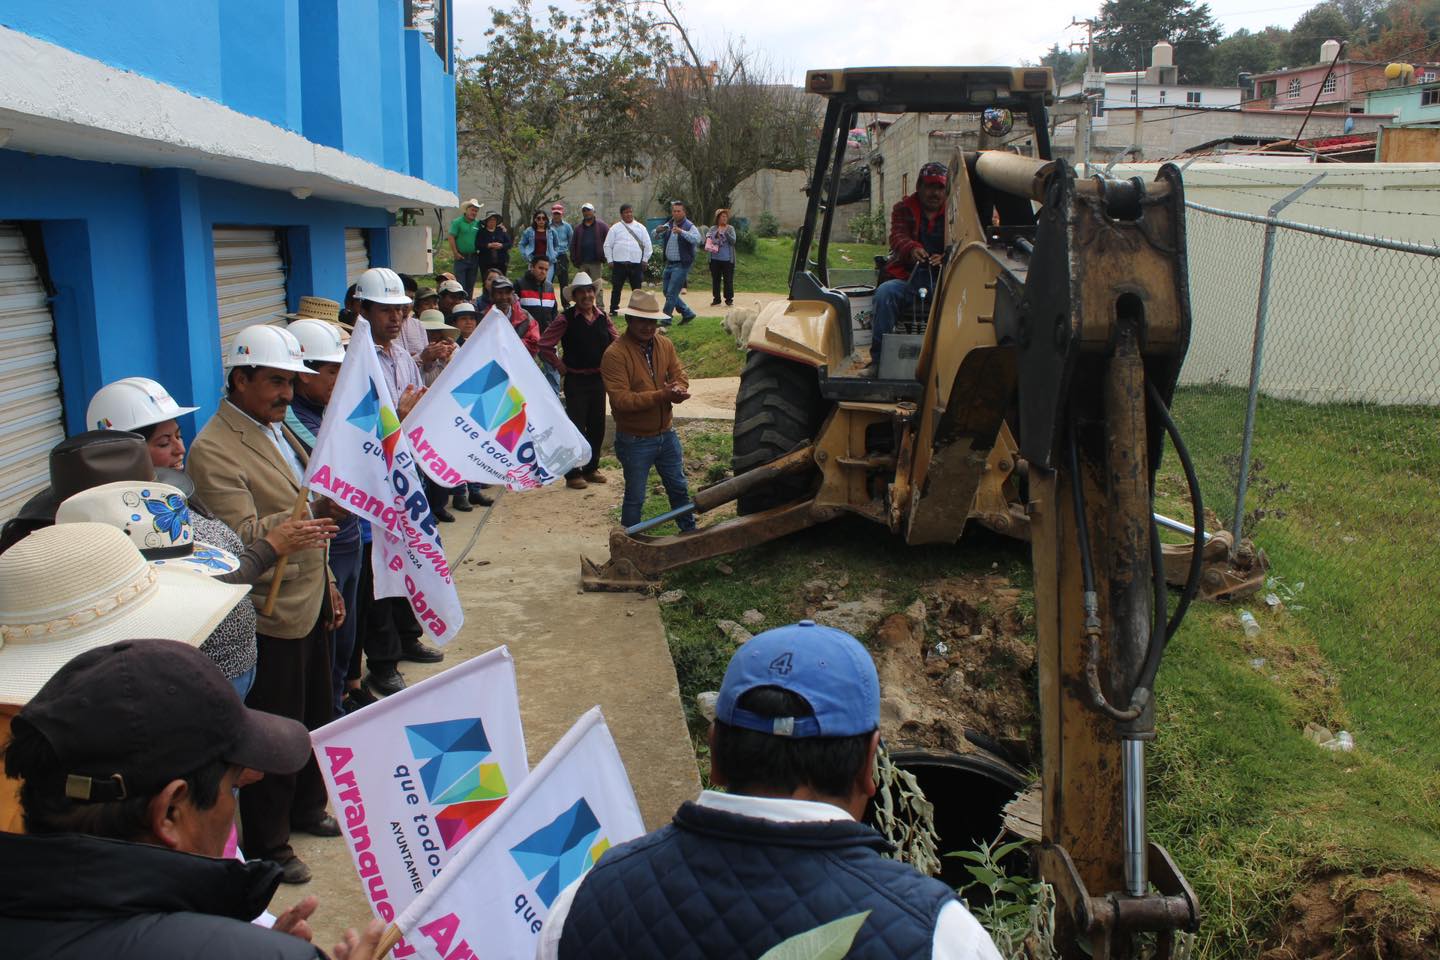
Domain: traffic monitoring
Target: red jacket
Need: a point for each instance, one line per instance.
(905, 235)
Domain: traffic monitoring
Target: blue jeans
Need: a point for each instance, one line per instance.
(466, 270)
(345, 564)
(244, 682)
(637, 455)
(891, 297)
(552, 376)
(673, 282)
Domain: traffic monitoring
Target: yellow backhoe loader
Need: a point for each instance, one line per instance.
(1028, 392)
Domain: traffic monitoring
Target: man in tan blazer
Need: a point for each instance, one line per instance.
(247, 469)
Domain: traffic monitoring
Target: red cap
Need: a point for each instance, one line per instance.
(558, 208)
(933, 173)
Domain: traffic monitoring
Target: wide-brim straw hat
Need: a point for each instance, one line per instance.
(77, 586)
(645, 305)
(433, 321)
(582, 279)
(315, 308)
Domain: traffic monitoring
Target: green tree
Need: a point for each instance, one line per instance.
(1248, 52)
(1067, 65)
(1128, 29)
(1322, 22)
(715, 122)
(554, 95)
(1402, 29)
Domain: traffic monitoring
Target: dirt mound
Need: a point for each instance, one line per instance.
(961, 658)
(1394, 915)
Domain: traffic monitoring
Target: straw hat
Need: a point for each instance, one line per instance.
(582, 279)
(76, 586)
(434, 320)
(315, 308)
(156, 518)
(645, 305)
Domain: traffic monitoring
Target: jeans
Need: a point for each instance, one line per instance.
(466, 270)
(676, 274)
(552, 376)
(620, 274)
(560, 271)
(722, 271)
(345, 564)
(891, 297)
(244, 682)
(637, 455)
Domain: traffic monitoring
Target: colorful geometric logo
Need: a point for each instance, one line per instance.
(372, 417)
(494, 403)
(562, 850)
(454, 774)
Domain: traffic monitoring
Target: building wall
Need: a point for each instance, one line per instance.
(1404, 103)
(338, 72)
(129, 253)
(1168, 132)
(1330, 297)
(1122, 95)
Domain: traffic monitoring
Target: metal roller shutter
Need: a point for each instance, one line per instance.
(33, 420)
(357, 254)
(249, 278)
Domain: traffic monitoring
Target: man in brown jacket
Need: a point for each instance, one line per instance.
(644, 379)
(248, 469)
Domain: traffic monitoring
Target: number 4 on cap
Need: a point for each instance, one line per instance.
(781, 664)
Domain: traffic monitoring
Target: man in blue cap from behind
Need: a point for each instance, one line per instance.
(781, 851)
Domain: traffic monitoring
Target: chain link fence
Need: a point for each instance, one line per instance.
(1343, 474)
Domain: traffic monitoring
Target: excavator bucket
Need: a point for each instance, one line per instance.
(1226, 573)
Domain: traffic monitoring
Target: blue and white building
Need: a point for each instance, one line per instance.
(173, 172)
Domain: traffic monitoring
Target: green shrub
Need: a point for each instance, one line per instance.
(868, 228)
(745, 241)
(767, 225)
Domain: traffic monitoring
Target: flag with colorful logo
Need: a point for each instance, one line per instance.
(412, 776)
(363, 462)
(494, 896)
(491, 417)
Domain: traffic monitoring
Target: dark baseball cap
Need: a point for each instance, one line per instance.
(502, 283)
(127, 718)
(827, 667)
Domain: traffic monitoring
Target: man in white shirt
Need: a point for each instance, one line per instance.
(627, 250)
(781, 852)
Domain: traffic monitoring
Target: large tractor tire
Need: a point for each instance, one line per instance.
(777, 409)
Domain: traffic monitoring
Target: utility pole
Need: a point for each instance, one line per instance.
(1091, 88)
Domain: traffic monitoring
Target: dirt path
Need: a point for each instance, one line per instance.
(710, 399)
(572, 650)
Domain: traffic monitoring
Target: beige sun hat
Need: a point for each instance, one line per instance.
(644, 304)
(582, 279)
(315, 308)
(76, 586)
(434, 320)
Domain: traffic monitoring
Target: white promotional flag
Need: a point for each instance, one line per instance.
(411, 776)
(495, 894)
(363, 462)
(491, 417)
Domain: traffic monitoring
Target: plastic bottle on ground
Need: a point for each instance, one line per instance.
(1250, 625)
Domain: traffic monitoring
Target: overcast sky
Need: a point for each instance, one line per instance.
(799, 35)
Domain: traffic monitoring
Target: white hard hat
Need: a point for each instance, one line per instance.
(132, 403)
(265, 345)
(319, 341)
(381, 285)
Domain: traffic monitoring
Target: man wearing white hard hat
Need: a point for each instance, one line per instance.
(248, 470)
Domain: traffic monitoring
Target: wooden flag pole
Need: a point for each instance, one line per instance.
(387, 942)
(302, 503)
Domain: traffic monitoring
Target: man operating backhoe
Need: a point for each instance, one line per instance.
(917, 236)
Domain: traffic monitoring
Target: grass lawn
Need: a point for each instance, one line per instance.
(1252, 810)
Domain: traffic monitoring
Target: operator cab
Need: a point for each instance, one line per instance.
(1008, 105)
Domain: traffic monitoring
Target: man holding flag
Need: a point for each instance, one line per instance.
(780, 852)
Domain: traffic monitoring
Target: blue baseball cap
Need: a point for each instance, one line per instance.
(828, 667)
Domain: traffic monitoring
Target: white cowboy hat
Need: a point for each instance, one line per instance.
(156, 518)
(76, 586)
(582, 279)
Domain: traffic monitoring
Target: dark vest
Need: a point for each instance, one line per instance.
(716, 884)
(584, 343)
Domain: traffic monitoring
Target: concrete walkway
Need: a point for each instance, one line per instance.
(572, 650)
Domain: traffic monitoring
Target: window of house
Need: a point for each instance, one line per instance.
(1329, 85)
(1428, 76)
(1430, 97)
(1294, 88)
(1132, 96)
(1192, 96)
(1162, 96)
(1097, 107)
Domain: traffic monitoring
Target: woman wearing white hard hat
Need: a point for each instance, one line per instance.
(142, 406)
